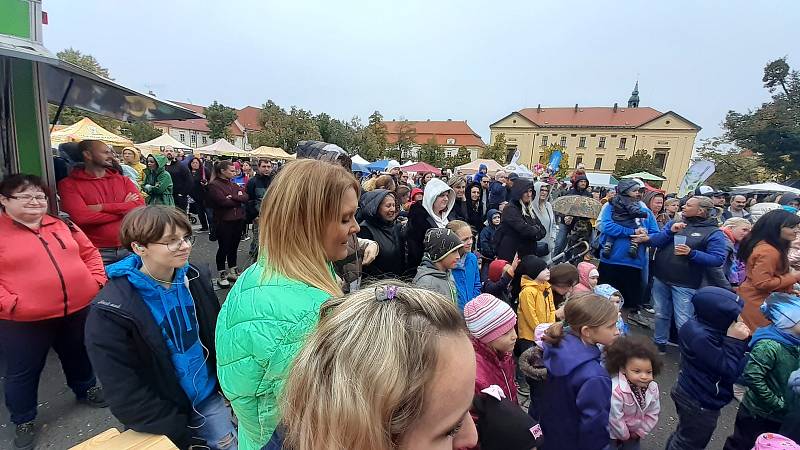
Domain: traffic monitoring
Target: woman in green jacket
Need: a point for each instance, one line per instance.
(305, 223)
(157, 182)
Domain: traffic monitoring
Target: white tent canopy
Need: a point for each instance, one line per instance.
(220, 148)
(357, 159)
(159, 143)
(766, 187)
(470, 168)
(519, 169)
(600, 179)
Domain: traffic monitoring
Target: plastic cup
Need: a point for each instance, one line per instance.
(679, 240)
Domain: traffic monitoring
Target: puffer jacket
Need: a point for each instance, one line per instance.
(46, 273)
(390, 261)
(158, 183)
(536, 306)
(711, 361)
(518, 231)
(260, 329)
(627, 418)
(467, 278)
(493, 368)
(772, 360)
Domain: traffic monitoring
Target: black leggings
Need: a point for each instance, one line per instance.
(229, 234)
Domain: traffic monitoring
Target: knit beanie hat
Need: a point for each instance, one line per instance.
(496, 269)
(606, 290)
(440, 242)
(531, 266)
(782, 309)
(488, 317)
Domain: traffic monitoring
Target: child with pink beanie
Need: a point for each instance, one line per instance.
(491, 325)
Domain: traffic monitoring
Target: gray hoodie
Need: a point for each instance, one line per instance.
(430, 277)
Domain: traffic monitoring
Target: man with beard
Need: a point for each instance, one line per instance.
(182, 181)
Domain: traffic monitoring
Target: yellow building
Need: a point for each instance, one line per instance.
(600, 136)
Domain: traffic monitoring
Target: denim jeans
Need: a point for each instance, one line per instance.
(669, 300)
(696, 424)
(213, 423)
(561, 240)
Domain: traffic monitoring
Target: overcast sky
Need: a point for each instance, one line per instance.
(427, 59)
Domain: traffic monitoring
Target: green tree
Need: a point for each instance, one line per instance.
(378, 130)
(220, 118)
(432, 153)
(84, 61)
(406, 140)
(641, 161)
(563, 166)
(773, 130)
(497, 151)
(734, 167)
(462, 157)
(285, 129)
(139, 132)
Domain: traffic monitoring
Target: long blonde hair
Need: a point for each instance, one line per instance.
(359, 381)
(300, 203)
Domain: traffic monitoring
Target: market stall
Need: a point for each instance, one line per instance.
(472, 168)
(221, 148)
(272, 153)
(158, 145)
(86, 129)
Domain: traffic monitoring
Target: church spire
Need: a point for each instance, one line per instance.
(633, 102)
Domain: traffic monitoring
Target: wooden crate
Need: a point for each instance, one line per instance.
(112, 439)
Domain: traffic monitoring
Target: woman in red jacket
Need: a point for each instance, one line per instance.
(49, 273)
(227, 199)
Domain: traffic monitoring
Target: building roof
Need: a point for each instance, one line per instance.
(603, 117)
(439, 130)
(249, 117)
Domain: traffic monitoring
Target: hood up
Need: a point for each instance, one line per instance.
(716, 307)
(432, 190)
(371, 203)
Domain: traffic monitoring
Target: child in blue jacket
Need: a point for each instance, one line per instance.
(466, 274)
(713, 357)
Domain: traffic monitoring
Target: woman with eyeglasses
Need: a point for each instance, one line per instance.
(49, 273)
(150, 335)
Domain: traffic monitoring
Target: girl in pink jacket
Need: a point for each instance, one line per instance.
(633, 362)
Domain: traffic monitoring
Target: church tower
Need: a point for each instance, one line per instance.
(633, 102)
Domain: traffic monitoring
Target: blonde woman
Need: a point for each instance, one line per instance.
(305, 223)
(388, 367)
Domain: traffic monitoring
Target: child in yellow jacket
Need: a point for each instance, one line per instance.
(536, 306)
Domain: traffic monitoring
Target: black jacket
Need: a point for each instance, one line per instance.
(198, 188)
(419, 221)
(182, 181)
(256, 190)
(518, 232)
(131, 359)
(460, 211)
(390, 261)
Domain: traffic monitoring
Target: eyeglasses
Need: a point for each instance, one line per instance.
(26, 198)
(175, 245)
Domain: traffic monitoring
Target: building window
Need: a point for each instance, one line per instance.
(510, 150)
(582, 142)
(182, 137)
(205, 140)
(451, 141)
(602, 143)
(618, 161)
(660, 158)
(193, 140)
(598, 162)
(622, 142)
(578, 160)
(563, 141)
(544, 141)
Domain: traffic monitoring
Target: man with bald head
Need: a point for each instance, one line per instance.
(736, 209)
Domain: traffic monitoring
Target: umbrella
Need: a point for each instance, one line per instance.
(766, 187)
(357, 159)
(577, 206)
(422, 167)
(644, 176)
(313, 149)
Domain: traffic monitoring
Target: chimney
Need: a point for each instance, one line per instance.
(576, 107)
(449, 120)
(615, 107)
(539, 108)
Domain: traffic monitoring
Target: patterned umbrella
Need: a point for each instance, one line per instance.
(577, 206)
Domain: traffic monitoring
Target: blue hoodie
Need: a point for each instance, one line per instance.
(711, 361)
(174, 312)
(467, 277)
(576, 397)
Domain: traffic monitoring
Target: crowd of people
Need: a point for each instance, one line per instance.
(395, 311)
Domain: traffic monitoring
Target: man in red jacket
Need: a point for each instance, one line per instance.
(97, 197)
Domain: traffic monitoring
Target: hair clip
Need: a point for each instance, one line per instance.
(384, 293)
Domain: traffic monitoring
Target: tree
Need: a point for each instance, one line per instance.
(734, 167)
(285, 129)
(773, 130)
(84, 61)
(462, 157)
(640, 161)
(563, 166)
(406, 140)
(497, 151)
(220, 118)
(139, 132)
(432, 153)
(378, 129)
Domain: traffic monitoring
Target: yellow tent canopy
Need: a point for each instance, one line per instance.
(271, 152)
(87, 129)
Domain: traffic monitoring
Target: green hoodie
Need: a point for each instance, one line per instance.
(158, 183)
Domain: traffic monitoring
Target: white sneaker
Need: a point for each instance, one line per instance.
(222, 281)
